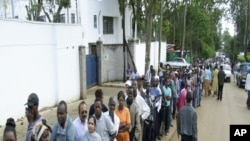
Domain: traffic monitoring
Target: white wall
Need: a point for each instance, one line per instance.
(106, 8)
(35, 58)
(140, 52)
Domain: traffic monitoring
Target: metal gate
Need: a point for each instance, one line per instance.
(91, 70)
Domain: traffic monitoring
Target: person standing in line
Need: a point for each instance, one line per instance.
(135, 129)
(221, 78)
(91, 134)
(111, 114)
(9, 133)
(167, 92)
(187, 121)
(41, 132)
(81, 123)
(148, 124)
(247, 87)
(104, 125)
(125, 122)
(32, 114)
(98, 95)
(63, 129)
(181, 100)
(207, 80)
(144, 110)
(215, 81)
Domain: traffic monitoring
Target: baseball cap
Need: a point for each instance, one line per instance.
(128, 82)
(32, 100)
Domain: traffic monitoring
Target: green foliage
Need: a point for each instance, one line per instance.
(242, 58)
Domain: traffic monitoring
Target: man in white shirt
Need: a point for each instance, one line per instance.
(81, 122)
(144, 109)
(104, 126)
(111, 114)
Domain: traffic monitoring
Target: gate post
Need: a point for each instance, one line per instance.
(99, 51)
(82, 67)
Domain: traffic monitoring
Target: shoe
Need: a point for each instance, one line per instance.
(248, 108)
(220, 99)
(158, 137)
(217, 98)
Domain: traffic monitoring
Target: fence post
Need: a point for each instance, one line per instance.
(82, 67)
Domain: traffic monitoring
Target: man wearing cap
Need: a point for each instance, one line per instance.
(32, 114)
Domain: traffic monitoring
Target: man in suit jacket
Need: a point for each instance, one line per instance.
(221, 78)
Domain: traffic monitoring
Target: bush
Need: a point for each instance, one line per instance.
(242, 58)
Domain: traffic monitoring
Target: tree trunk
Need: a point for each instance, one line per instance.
(184, 30)
(160, 34)
(149, 17)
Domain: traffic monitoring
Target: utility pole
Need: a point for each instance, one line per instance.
(160, 35)
(123, 29)
(246, 32)
(184, 29)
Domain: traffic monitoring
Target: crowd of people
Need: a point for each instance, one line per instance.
(144, 110)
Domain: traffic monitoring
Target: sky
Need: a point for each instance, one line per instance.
(227, 25)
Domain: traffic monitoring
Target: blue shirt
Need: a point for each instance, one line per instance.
(207, 75)
(155, 91)
(167, 92)
(68, 133)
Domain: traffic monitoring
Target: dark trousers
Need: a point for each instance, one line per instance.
(160, 120)
(220, 92)
(174, 107)
(248, 98)
(186, 138)
(167, 118)
(148, 134)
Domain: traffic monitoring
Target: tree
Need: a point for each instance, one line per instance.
(149, 9)
(35, 7)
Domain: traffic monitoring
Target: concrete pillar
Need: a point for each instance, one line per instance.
(83, 80)
(99, 51)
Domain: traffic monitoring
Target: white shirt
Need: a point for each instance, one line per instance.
(247, 85)
(105, 127)
(81, 128)
(144, 109)
(116, 120)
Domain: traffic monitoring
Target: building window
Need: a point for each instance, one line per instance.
(73, 18)
(62, 18)
(95, 21)
(108, 25)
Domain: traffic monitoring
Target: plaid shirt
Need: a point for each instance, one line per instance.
(187, 121)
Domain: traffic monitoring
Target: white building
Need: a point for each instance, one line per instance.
(99, 19)
(44, 57)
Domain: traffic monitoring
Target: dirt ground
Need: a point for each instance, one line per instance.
(215, 117)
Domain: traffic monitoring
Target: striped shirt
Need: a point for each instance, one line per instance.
(187, 121)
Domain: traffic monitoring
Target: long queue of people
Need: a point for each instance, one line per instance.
(143, 111)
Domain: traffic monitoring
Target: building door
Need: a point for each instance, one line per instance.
(91, 70)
